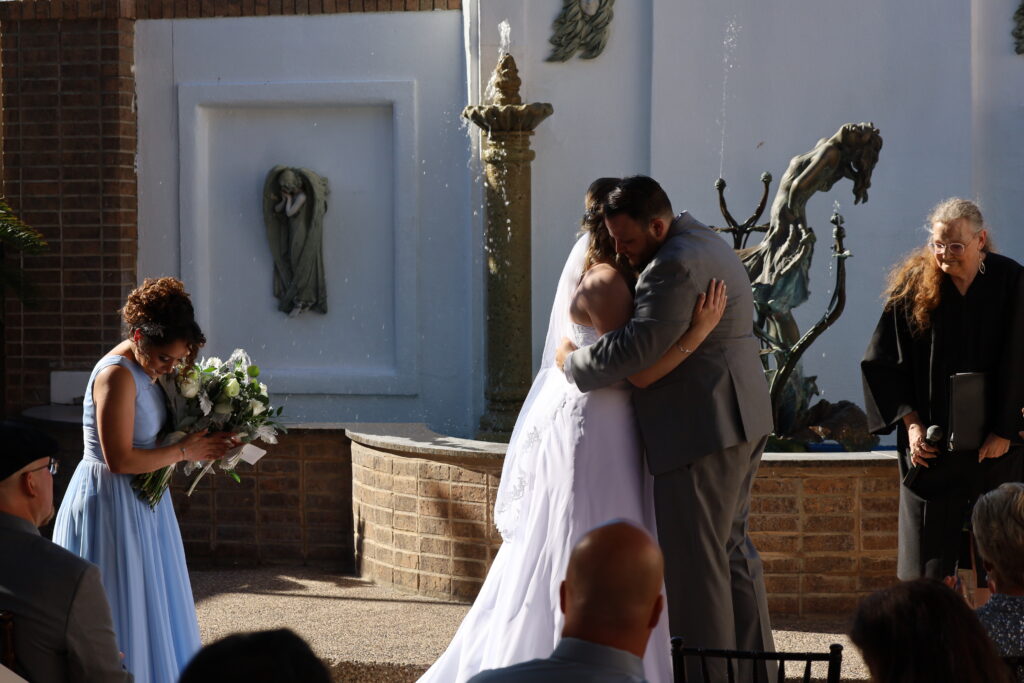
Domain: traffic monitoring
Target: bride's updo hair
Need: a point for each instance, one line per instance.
(602, 246)
(161, 310)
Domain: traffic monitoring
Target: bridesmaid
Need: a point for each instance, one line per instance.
(138, 549)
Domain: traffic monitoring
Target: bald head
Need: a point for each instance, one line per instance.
(612, 588)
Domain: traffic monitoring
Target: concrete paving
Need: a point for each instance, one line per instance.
(366, 632)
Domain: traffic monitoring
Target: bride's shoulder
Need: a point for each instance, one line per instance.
(601, 285)
(601, 275)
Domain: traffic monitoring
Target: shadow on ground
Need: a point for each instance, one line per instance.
(366, 632)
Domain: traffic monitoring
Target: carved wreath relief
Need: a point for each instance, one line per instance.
(582, 26)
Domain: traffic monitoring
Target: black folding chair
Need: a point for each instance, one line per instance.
(834, 658)
(7, 656)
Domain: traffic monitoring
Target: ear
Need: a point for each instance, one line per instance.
(659, 605)
(29, 485)
(982, 238)
(561, 597)
(659, 227)
(136, 336)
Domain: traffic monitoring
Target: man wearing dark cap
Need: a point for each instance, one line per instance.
(62, 625)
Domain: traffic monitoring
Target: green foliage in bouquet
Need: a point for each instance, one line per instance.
(212, 396)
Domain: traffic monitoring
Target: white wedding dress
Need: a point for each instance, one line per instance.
(574, 462)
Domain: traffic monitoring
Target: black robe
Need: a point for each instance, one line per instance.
(980, 331)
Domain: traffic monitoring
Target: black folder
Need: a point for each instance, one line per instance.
(968, 403)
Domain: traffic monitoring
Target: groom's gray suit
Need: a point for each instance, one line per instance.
(704, 426)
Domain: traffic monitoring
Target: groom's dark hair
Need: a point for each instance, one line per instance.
(639, 197)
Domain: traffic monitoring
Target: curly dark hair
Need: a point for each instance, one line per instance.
(161, 310)
(602, 246)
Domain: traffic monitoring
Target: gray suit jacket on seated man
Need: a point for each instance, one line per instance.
(704, 425)
(62, 625)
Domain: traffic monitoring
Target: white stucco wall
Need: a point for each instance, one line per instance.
(371, 101)
(939, 79)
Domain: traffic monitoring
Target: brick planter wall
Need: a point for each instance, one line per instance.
(826, 531)
(293, 508)
(825, 526)
(421, 525)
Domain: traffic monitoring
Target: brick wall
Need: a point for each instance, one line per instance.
(424, 526)
(68, 170)
(826, 532)
(826, 528)
(294, 508)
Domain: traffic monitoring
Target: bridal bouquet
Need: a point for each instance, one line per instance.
(215, 395)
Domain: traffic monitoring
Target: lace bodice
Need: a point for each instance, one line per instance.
(583, 335)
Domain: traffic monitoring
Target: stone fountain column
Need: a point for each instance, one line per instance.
(507, 124)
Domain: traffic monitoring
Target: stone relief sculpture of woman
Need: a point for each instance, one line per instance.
(294, 204)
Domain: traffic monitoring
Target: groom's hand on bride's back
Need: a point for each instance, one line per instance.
(565, 347)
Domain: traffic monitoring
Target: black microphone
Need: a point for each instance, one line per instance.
(934, 435)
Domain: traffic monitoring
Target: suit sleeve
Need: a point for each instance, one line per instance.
(888, 374)
(93, 656)
(664, 303)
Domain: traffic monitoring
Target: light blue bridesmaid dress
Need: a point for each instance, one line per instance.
(137, 549)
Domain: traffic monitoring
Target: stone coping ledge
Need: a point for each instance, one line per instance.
(831, 458)
(416, 440)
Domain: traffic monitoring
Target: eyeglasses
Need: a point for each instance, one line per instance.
(953, 248)
(53, 466)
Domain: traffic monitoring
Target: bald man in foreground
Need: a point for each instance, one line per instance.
(611, 598)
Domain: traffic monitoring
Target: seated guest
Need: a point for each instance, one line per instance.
(923, 631)
(998, 522)
(62, 625)
(611, 598)
(263, 657)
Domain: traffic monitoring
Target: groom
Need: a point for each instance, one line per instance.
(704, 425)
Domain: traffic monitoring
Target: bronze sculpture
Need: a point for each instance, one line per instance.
(779, 269)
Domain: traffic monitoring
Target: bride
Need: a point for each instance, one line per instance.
(574, 461)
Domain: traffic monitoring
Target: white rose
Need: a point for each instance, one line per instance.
(263, 389)
(232, 387)
(222, 408)
(189, 388)
(257, 406)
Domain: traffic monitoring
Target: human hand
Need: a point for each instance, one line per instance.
(920, 450)
(206, 445)
(709, 308)
(565, 347)
(995, 446)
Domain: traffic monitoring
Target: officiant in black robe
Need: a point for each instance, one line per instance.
(952, 307)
